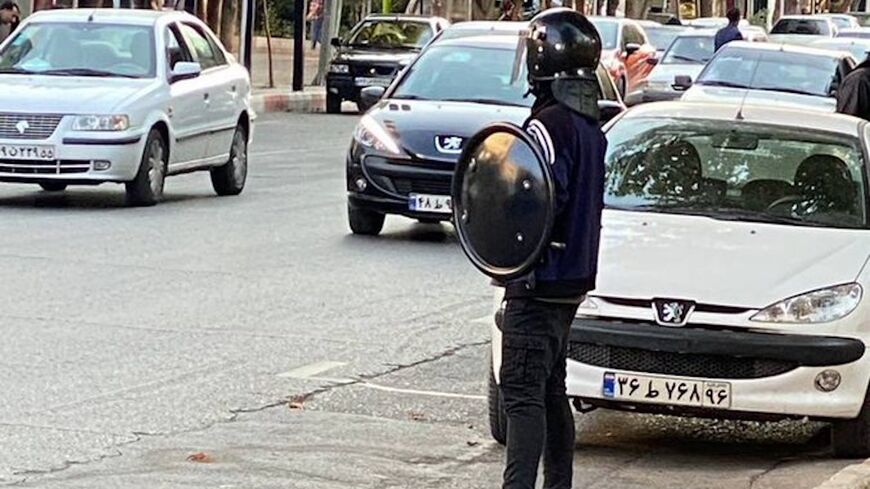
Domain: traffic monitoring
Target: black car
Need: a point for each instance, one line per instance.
(404, 150)
(374, 53)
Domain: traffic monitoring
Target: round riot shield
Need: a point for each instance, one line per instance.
(503, 201)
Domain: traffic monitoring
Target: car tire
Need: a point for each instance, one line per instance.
(333, 104)
(146, 188)
(53, 186)
(497, 415)
(851, 438)
(363, 221)
(229, 178)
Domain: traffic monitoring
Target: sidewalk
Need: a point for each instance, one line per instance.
(281, 98)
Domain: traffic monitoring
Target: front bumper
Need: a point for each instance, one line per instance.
(343, 86)
(771, 375)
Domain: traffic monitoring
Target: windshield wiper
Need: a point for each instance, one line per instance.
(409, 97)
(788, 90)
(719, 83)
(13, 70)
(486, 101)
(685, 58)
(718, 213)
(85, 72)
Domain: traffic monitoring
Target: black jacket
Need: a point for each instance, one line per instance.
(575, 147)
(853, 94)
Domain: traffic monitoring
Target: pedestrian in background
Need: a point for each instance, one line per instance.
(730, 32)
(315, 16)
(853, 94)
(10, 17)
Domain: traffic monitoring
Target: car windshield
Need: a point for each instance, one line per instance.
(857, 49)
(689, 50)
(736, 171)
(609, 32)
(81, 49)
(465, 74)
(661, 37)
(802, 73)
(817, 27)
(392, 34)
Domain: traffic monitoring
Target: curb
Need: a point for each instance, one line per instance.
(311, 100)
(855, 476)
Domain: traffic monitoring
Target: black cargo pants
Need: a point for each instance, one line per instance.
(532, 381)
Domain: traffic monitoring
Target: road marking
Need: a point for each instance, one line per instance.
(416, 392)
(310, 370)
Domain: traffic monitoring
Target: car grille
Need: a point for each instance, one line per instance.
(44, 167)
(39, 126)
(406, 186)
(683, 364)
(380, 71)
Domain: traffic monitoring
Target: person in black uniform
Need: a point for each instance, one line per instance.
(853, 94)
(562, 50)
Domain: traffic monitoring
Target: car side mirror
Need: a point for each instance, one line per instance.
(335, 42)
(631, 48)
(184, 70)
(682, 82)
(369, 96)
(608, 109)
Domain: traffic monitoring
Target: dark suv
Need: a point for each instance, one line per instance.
(373, 54)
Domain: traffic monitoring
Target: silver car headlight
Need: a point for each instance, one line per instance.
(98, 122)
(371, 134)
(818, 306)
(339, 68)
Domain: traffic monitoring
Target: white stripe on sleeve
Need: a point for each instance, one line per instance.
(542, 136)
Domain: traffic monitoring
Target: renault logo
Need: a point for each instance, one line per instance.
(449, 144)
(22, 126)
(672, 312)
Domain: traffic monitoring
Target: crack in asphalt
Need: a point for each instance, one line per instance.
(757, 477)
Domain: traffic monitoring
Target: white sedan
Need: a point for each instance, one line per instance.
(91, 96)
(733, 266)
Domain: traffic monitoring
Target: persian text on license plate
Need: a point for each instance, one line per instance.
(26, 152)
(667, 390)
(439, 204)
(373, 82)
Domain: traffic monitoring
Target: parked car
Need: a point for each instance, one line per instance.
(626, 51)
(859, 48)
(480, 28)
(374, 52)
(91, 96)
(842, 21)
(686, 56)
(403, 152)
(732, 272)
(713, 23)
(661, 36)
(863, 18)
(856, 33)
(801, 29)
(773, 74)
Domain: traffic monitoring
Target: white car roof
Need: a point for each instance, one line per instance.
(108, 16)
(785, 48)
(495, 26)
(778, 116)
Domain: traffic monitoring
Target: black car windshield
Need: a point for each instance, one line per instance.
(802, 73)
(662, 37)
(813, 27)
(81, 49)
(736, 171)
(392, 34)
(689, 50)
(465, 73)
(609, 32)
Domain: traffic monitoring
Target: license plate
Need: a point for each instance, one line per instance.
(26, 152)
(667, 390)
(438, 204)
(373, 82)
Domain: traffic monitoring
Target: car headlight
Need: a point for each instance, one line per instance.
(371, 134)
(101, 123)
(818, 306)
(339, 68)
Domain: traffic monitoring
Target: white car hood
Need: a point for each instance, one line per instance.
(795, 39)
(69, 95)
(701, 93)
(752, 265)
(666, 73)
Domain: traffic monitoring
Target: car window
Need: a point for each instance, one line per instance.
(176, 51)
(752, 171)
(83, 49)
(392, 34)
(689, 50)
(817, 27)
(608, 30)
(204, 52)
(661, 37)
(465, 73)
(772, 70)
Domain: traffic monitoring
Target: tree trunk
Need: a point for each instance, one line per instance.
(636, 9)
(230, 24)
(269, 41)
(201, 8)
(213, 15)
(484, 10)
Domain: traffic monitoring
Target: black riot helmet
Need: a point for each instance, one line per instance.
(563, 49)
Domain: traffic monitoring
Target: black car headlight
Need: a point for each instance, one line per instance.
(371, 134)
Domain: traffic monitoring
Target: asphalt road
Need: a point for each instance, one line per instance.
(252, 342)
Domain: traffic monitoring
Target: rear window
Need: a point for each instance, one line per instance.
(816, 27)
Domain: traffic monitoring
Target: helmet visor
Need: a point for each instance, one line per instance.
(519, 56)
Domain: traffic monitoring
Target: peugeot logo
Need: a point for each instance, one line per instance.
(373, 71)
(22, 126)
(449, 144)
(671, 312)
